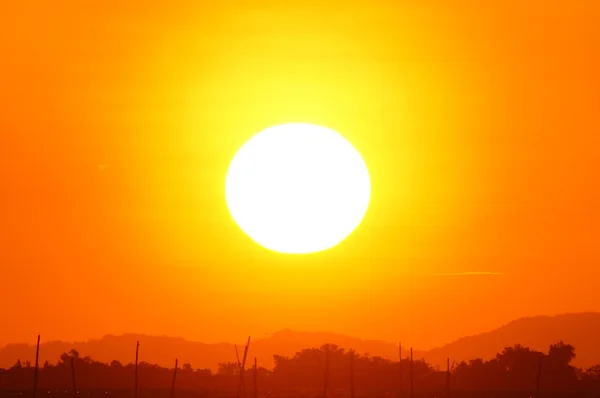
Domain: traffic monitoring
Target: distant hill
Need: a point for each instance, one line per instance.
(581, 330)
(163, 350)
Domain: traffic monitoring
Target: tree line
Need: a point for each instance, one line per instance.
(328, 370)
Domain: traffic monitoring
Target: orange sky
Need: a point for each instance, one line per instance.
(480, 125)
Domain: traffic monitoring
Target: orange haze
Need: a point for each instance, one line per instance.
(479, 122)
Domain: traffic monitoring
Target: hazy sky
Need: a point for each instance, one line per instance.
(480, 125)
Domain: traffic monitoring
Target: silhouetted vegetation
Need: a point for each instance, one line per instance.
(513, 372)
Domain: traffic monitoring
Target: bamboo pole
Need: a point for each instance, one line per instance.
(244, 367)
(400, 370)
(37, 365)
(137, 351)
(537, 380)
(255, 379)
(73, 380)
(326, 373)
(352, 392)
(411, 374)
(314, 350)
(174, 378)
(246, 353)
(448, 379)
(237, 356)
(242, 384)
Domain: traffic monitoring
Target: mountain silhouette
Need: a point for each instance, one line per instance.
(163, 350)
(580, 330)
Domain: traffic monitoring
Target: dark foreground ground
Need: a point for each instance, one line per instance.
(250, 394)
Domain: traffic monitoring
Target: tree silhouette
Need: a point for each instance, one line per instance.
(514, 370)
(562, 354)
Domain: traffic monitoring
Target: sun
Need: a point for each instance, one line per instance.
(298, 188)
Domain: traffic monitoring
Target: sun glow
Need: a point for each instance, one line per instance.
(298, 188)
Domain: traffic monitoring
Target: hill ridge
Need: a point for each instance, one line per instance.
(536, 332)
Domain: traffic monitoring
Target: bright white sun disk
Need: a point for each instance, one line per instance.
(298, 188)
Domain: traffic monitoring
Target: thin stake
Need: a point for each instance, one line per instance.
(246, 353)
(137, 351)
(326, 375)
(73, 377)
(448, 379)
(255, 379)
(352, 374)
(237, 355)
(35, 374)
(411, 374)
(537, 381)
(400, 370)
(241, 384)
(314, 350)
(244, 366)
(174, 378)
